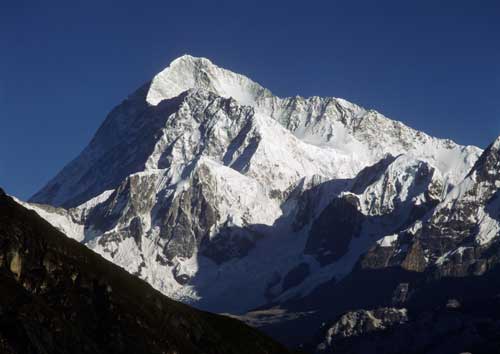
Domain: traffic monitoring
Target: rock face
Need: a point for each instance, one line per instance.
(447, 329)
(362, 322)
(59, 297)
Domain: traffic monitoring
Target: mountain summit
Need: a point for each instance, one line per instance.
(134, 130)
(187, 72)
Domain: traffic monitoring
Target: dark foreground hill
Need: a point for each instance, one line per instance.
(57, 296)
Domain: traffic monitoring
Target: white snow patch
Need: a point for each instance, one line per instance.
(388, 241)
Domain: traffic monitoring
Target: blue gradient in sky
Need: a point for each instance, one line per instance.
(434, 65)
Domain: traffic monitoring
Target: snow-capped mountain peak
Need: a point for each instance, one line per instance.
(202, 175)
(188, 72)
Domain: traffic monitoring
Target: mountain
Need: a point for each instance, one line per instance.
(461, 229)
(281, 211)
(59, 297)
(450, 255)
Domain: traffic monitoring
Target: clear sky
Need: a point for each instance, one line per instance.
(435, 65)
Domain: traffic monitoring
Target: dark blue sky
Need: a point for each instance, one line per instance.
(434, 65)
